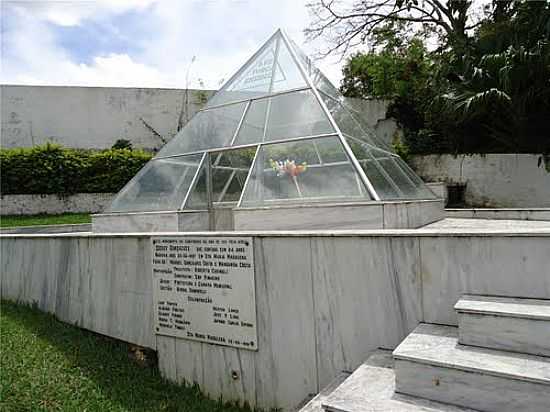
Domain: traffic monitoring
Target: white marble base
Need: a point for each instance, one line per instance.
(430, 364)
(185, 221)
(518, 325)
(366, 215)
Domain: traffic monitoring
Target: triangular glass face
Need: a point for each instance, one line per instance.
(303, 171)
(208, 129)
(388, 173)
(285, 116)
(160, 185)
(272, 69)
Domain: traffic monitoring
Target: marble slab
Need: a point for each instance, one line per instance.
(468, 389)
(412, 214)
(135, 222)
(372, 388)
(364, 297)
(430, 364)
(367, 216)
(503, 306)
(452, 266)
(514, 334)
(316, 403)
(437, 345)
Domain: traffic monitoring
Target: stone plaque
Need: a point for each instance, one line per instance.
(203, 289)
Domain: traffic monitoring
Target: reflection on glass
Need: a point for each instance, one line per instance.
(388, 173)
(303, 171)
(296, 114)
(229, 170)
(161, 185)
(208, 129)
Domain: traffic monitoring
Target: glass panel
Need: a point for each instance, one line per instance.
(252, 128)
(422, 191)
(252, 80)
(303, 171)
(208, 129)
(383, 184)
(346, 122)
(229, 171)
(391, 177)
(161, 185)
(294, 114)
(287, 74)
(318, 79)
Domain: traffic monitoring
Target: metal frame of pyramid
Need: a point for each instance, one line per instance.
(240, 116)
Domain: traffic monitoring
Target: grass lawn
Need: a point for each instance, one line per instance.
(46, 365)
(67, 218)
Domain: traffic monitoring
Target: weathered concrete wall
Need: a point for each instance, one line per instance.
(92, 117)
(374, 113)
(95, 117)
(492, 180)
(324, 299)
(54, 204)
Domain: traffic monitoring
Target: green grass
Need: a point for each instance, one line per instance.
(67, 218)
(46, 365)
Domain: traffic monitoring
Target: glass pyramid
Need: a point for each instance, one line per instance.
(277, 132)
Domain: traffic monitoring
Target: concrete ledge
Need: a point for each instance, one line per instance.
(75, 228)
(513, 214)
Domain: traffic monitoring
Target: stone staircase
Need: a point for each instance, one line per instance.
(496, 360)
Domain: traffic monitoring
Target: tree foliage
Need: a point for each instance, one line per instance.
(488, 93)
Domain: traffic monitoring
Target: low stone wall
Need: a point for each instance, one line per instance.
(54, 204)
(492, 180)
(541, 214)
(324, 300)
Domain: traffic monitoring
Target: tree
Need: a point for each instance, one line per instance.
(495, 97)
(349, 26)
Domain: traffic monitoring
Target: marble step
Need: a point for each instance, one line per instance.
(514, 324)
(431, 364)
(314, 404)
(371, 388)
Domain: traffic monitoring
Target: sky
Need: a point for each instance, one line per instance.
(143, 43)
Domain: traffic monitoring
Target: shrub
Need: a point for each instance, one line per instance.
(52, 169)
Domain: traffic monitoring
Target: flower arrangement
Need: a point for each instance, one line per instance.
(290, 169)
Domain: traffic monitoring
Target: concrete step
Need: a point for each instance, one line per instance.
(514, 324)
(431, 364)
(371, 388)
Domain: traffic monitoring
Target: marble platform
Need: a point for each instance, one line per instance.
(371, 387)
(133, 222)
(431, 364)
(408, 214)
(518, 325)
(332, 296)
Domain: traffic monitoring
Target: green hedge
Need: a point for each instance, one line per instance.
(53, 169)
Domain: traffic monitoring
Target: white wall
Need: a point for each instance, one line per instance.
(90, 117)
(324, 299)
(54, 204)
(95, 117)
(492, 180)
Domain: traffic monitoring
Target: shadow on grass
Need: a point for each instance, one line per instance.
(106, 362)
